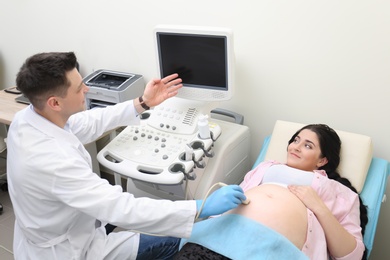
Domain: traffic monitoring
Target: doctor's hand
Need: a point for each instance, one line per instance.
(221, 200)
(158, 90)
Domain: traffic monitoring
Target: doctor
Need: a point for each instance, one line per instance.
(60, 205)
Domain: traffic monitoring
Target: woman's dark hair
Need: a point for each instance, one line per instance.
(330, 146)
(44, 75)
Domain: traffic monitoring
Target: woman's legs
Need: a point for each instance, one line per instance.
(155, 247)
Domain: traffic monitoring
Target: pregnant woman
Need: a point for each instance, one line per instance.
(302, 209)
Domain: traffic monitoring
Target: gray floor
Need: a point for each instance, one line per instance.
(7, 220)
(6, 227)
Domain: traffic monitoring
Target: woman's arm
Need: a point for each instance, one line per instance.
(340, 241)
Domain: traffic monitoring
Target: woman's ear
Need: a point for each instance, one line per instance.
(322, 162)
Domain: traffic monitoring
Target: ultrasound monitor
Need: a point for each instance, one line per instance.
(202, 56)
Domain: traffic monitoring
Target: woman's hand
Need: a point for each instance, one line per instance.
(308, 196)
(158, 90)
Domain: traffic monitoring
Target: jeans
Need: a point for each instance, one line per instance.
(157, 248)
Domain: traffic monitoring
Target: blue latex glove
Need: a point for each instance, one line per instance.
(221, 200)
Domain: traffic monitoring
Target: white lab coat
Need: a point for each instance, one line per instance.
(61, 206)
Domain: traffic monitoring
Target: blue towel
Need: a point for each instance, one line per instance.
(238, 237)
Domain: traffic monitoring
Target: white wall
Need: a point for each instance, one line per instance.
(298, 60)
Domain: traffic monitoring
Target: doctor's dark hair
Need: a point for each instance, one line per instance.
(44, 75)
(330, 146)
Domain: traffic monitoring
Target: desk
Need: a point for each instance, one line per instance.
(8, 107)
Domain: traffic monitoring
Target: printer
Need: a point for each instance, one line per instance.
(108, 87)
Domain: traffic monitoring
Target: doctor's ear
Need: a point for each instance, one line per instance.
(52, 102)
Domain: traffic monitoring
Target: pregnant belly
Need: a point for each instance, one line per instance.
(277, 208)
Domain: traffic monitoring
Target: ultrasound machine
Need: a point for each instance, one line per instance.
(183, 146)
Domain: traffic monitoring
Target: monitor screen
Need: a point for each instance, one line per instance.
(203, 58)
(200, 60)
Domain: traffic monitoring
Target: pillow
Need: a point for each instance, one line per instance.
(356, 151)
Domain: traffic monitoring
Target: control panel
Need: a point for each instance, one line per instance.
(157, 155)
(162, 163)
